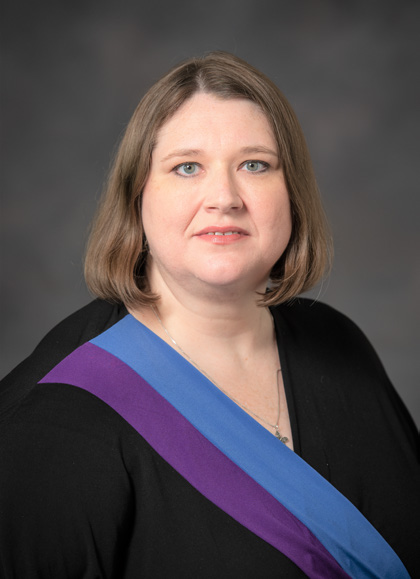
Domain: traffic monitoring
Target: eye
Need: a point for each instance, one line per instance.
(255, 166)
(186, 169)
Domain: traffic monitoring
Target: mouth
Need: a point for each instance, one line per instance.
(222, 236)
(222, 231)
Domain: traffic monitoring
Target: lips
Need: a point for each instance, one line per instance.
(222, 231)
(219, 236)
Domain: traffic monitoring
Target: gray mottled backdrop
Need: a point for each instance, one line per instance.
(72, 73)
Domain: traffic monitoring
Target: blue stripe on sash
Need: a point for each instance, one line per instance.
(342, 529)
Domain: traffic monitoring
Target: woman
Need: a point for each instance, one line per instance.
(191, 422)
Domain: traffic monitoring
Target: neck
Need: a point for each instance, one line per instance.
(237, 327)
(226, 320)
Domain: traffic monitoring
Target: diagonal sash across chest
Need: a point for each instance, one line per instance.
(227, 455)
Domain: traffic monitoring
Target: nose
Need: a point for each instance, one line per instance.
(223, 193)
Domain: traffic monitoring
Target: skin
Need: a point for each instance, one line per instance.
(228, 176)
(215, 169)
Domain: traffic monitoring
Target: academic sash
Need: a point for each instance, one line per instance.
(231, 459)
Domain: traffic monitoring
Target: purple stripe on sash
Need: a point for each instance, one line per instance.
(204, 466)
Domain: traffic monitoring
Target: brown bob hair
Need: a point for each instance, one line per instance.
(116, 257)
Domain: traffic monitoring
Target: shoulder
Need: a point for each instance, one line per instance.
(310, 325)
(59, 424)
(65, 452)
(314, 316)
(324, 342)
(330, 359)
(78, 328)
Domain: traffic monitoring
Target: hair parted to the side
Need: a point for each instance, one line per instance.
(117, 250)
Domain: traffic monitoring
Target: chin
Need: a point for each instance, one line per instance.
(239, 283)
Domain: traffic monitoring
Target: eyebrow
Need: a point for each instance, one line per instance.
(245, 150)
(259, 149)
(182, 153)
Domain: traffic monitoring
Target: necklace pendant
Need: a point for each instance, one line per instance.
(282, 439)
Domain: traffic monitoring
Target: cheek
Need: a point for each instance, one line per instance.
(279, 227)
(276, 212)
(154, 208)
(167, 203)
(151, 218)
(163, 220)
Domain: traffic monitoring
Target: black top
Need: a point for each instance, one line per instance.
(84, 495)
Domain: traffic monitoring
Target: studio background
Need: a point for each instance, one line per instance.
(72, 74)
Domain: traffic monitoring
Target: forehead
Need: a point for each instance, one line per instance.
(205, 116)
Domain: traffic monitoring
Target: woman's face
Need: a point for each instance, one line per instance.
(215, 207)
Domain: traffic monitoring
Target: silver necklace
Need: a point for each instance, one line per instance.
(283, 439)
